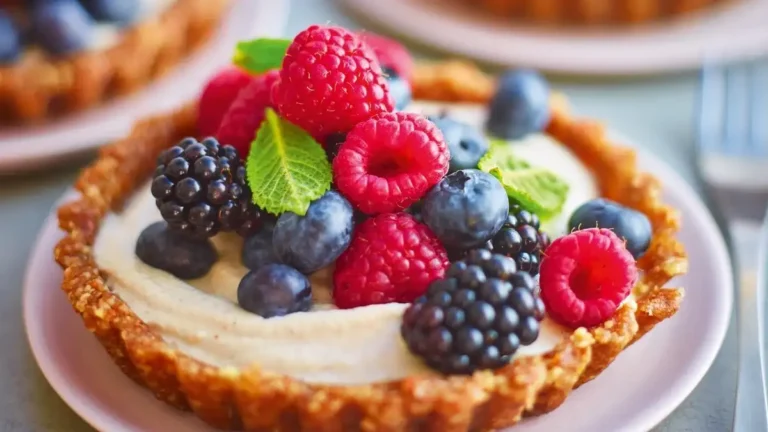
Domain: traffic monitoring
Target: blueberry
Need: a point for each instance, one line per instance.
(631, 225)
(258, 250)
(181, 255)
(117, 11)
(10, 39)
(466, 209)
(62, 27)
(520, 105)
(399, 89)
(274, 290)
(313, 241)
(466, 144)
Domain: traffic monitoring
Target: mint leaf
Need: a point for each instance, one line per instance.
(286, 168)
(536, 189)
(260, 55)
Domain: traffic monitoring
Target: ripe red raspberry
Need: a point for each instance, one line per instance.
(390, 161)
(330, 81)
(242, 120)
(217, 96)
(392, 258)
(585, 276)
(390, 53)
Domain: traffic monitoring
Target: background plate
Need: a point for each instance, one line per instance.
(24, 148)
(640, 389)
(737, 30)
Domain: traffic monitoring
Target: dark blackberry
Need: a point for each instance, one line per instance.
(521, 239)
(200, 188)
(476, 317)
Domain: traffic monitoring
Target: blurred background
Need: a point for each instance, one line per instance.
(634, 72)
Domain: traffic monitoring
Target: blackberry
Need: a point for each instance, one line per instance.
(200, 189)
(521, 239)
(476, 317)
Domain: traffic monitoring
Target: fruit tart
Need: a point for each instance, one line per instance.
(346, 241)
(60, 56)
(595, 12)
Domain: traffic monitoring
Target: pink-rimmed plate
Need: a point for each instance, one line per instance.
(640, 389)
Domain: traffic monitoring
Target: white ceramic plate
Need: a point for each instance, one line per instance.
(736, 30)
(23, 148)
(640, 389)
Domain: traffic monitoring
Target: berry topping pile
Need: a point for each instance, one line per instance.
(60, 27)
(585, 276)
(477, 317)
(313, 162)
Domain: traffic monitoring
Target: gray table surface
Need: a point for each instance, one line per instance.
(654, 112)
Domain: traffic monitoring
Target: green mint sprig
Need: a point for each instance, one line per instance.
(536, 189)
(260, 55)
(286, 168)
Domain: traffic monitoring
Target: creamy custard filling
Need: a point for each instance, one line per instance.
(326, 345)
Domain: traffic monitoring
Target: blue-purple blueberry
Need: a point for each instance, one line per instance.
(177, 253)
(466, 143)
(274, 290)
(258, 250)
(520, 106)
(399, 89)
(313, 241)
(466, 209)
(629, 224)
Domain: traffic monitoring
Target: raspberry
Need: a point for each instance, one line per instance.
(390, 53)
(217, 96)
(330, 81)
(392, 258)
(390, 161)
(242, 120)
(585, 276)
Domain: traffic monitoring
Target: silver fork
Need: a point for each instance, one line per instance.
(732, 150)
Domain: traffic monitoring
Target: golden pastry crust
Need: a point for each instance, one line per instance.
(253, 399)
(594, 12)
(39, 86)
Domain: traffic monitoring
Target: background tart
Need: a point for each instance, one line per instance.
(39, 86)
(594, 12)
(253, 399)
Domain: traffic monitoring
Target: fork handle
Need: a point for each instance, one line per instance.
(751, 413)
